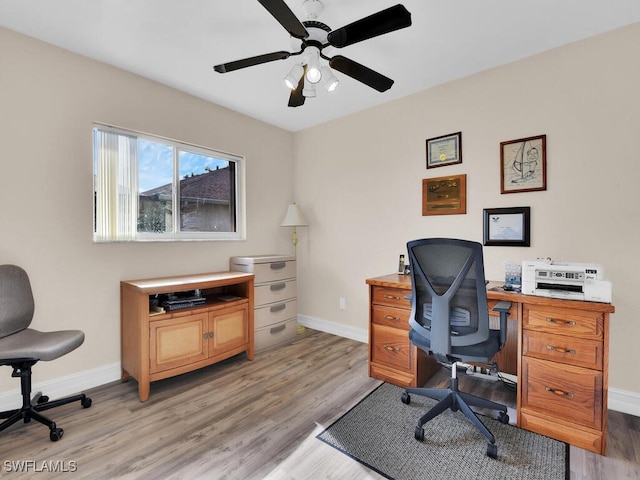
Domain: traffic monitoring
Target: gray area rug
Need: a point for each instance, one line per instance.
(379, 433)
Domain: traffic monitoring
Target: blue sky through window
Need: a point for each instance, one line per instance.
(155, 164)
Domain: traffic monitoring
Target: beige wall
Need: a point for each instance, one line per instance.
(48, 101)
(359, 180)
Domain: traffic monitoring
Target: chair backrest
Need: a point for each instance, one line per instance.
(449, 297)
(16, 300)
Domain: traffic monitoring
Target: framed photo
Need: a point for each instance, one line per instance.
(507, 227)
(444, 195)
(523, 165)
(444, 150)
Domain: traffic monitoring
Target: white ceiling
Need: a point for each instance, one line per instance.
(177, 42)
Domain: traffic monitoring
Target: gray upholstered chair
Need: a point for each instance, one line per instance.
(450, 320)
(21, 347)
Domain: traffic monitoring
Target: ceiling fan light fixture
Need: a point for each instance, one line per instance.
(294, 75)
(314, 75)
(309, 90)
(330, 79)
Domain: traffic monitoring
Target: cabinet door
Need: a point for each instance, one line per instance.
(176, 342)
(230, 328)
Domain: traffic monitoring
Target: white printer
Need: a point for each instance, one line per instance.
(572, 281)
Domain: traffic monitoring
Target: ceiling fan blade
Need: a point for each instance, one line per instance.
(385, 21)
(361, 73)
(283, 14)
(296, 99)
(251, 61)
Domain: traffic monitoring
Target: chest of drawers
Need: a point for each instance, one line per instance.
(275, 297)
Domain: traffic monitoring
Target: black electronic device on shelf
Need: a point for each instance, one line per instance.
(183, 300)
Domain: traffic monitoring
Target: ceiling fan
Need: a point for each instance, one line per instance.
(314, 37)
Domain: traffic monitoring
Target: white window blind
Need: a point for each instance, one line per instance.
(116, 186)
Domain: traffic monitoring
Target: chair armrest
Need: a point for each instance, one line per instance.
(503, 308)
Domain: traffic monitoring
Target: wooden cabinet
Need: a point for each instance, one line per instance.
(563, 392)
(157, 346)
(557, 348)
(392, 357)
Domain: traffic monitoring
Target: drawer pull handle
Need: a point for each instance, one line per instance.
(277, 286)
(278, 265)
(560, 393)
(561, 322)
(561, 350)
(277, 308)
(208, 335)
(389, 348)
(391, 317)
(277, 329)
(391, 297)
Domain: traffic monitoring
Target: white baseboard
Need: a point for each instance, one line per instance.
(63, 386)
(623, 401)
(618, 400)
(353, 333)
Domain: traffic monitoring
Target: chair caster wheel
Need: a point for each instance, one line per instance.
(492, 450)
(419, 434)
(406, 398)
(86, 402)
(503, 417)
(43, 399)
(56, 434)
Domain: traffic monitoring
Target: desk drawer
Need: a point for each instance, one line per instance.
(391, 316)
(564, 321)
(559, 348)
(390, 347)
(568, 393)
(393, 297)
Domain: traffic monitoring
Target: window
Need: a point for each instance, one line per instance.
(151, 189)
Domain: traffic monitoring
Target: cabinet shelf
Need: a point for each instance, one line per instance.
(160, 345)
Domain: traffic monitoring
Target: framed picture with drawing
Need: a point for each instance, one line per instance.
(523, 165)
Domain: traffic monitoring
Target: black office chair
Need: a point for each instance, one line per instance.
(21, 347)
(450, 320)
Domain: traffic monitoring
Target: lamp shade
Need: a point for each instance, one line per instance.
(294, 217)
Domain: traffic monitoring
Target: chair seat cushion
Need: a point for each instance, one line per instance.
(30, 343)
(481, 352)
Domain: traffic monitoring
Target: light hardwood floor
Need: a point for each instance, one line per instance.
(245, 420)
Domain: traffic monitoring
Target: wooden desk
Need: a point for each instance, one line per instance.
(559, 348)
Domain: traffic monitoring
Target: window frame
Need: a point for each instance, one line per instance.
(238, 194)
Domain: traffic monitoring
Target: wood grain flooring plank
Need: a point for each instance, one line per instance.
(241, 419)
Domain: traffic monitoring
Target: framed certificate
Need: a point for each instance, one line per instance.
(507, 227)
(444, 150)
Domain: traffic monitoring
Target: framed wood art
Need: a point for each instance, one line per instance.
(444, 150)
(523, 165)
(507, 227)
(444, 195)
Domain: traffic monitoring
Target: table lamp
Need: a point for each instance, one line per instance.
(294, 218)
